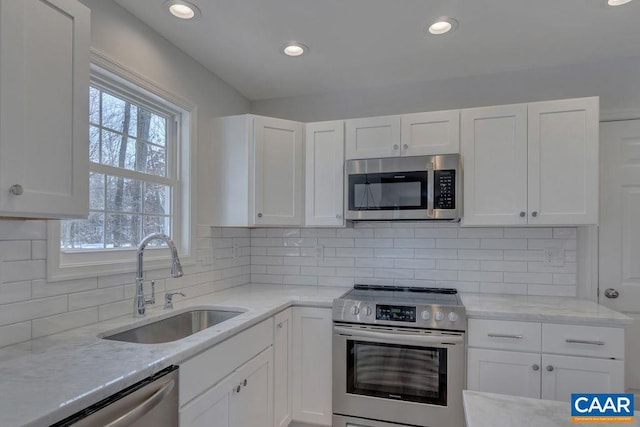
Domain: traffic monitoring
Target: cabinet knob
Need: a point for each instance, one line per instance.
(244, 383)
(338, 216)
(16, 190)
(534, 214)
(405, 146)
(238, 388)
(535, 367)
(396, 146)
(611, 293)
(549, 368)
(522, 214)
(280, 325)
(259, 214)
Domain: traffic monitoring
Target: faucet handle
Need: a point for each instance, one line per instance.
(152, 298)
(168, 299)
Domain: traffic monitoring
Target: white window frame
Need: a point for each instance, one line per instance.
(77, 264)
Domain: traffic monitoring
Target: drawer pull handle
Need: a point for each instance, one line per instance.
(515, 337)
(535, 367)
(572, 341)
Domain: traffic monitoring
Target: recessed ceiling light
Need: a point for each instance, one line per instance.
(442, 25)
(294, 49)
(182, 9)
(617, 2)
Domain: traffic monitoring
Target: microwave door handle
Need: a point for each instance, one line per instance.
(430, 191)
(400, 338)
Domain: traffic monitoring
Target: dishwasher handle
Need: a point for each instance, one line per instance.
(144, 408)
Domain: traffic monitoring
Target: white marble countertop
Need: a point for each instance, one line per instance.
(542, 309)
(45, 380)
(500, 410)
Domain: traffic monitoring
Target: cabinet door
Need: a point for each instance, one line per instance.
(278, 172)
(282, 369)
(506, 372)
(494, 156)
(373, 137)
(210, 409)
(312, 328)
(436, 132)
(251, 401)
(44, 92)
(563, 162)
(563, 375)
(324, 173)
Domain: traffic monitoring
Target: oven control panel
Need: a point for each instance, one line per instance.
(396, 313)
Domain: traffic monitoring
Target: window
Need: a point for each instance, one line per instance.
(140, 179)
(132, 174)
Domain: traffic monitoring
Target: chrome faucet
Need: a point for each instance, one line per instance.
(168, 299)
(176, 270)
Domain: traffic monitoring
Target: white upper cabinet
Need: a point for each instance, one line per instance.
(44, 92)
(324, 174)
(419, 134)
(257, 171)
(373, 137)
(435, 132)
(531, 163)
(563, 162)
(494, 155)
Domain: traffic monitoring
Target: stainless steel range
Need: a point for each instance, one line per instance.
(398, 357)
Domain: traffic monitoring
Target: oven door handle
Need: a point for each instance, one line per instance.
(401, 338)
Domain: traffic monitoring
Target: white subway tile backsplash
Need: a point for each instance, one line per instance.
(12, 334)
(64, 321)
(407, 263)
(483, 259)
(98, 297)
(528, 233)
(457, 243)
(455, 264)
(15, 250)
(538, 278)
(15, 291)
(503, 243)
(399, 233)
(515, 266)
(393, 253)
(414, 243)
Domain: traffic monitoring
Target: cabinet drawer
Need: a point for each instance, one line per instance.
(204, 370)
(579, 340)
(504, 335)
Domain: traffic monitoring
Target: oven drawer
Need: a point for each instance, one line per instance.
(579, 340)
(505, 335)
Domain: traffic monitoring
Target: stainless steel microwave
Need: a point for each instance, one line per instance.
(404, 188)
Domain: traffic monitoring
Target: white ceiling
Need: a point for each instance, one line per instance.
(373, 43)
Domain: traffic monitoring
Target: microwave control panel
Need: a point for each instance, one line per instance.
(444, 189)
(396, 313)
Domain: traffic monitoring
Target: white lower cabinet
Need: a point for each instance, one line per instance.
(559, 359)
(243, 399)
(312, 328)
(230, 384)
(283, 369)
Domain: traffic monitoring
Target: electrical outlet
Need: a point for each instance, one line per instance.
(319, 252)
(237, 250)
(553, 257)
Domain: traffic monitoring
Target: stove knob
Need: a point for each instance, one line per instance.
(367, 311)
(425, 315)
(355, 310)
(453, 317)
(439, 316)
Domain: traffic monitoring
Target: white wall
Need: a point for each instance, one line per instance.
(128, 41)
(615, 81)
(29, 305)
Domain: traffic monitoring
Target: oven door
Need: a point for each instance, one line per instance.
(398, 375)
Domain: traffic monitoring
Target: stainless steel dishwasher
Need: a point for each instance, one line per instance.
(152, 402)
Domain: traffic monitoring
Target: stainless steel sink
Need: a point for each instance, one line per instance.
(175, 327)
